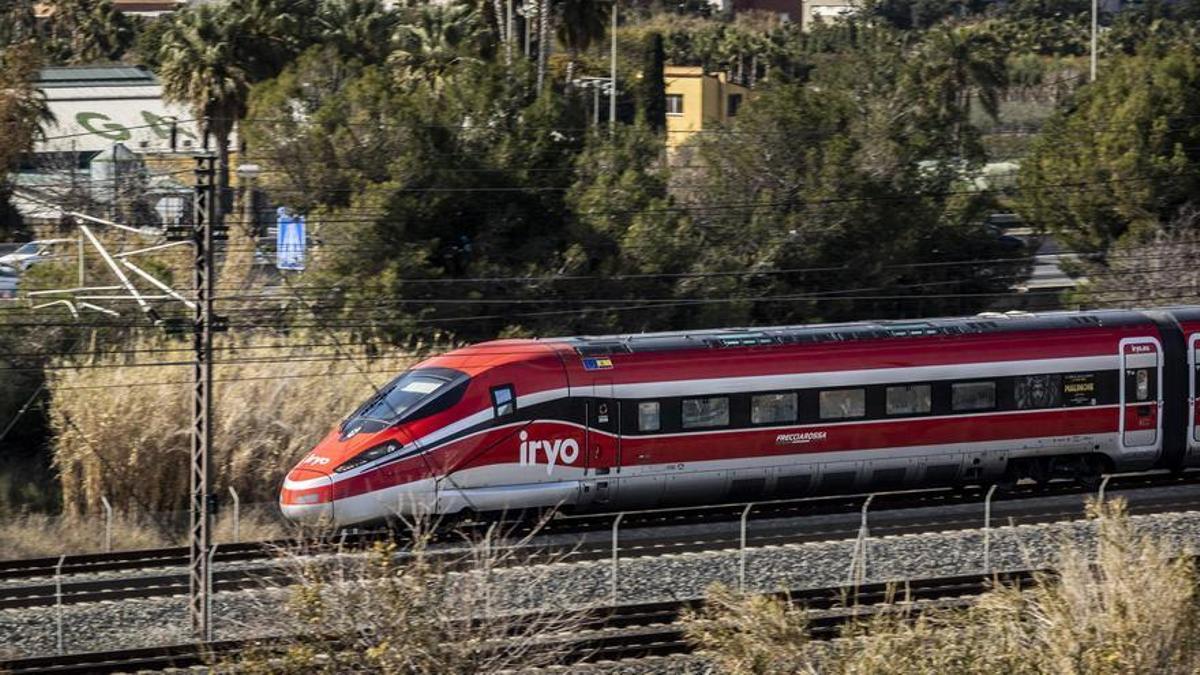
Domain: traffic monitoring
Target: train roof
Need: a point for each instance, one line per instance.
(986, 323)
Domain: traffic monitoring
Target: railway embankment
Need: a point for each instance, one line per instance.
(645, 578)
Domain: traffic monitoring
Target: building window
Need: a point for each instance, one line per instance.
(769, 408)
(909, 400)
(705, 412)
(843, 403)
(648, 416)
(674, 104)
(973, 395)
(735, 102)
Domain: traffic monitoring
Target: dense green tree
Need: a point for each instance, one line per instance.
(580, 24)
(820, 188)
(1122, 155)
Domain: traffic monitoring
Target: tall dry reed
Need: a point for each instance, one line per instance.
(122, 422)
(1126, 604)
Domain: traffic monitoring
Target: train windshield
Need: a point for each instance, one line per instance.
(408, 395)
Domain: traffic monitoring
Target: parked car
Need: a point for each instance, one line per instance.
(9, 278)
(33, 252)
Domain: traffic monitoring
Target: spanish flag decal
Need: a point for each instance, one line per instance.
(598, 363)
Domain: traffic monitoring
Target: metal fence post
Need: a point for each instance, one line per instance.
(1103, 486)
(108, 513)
(987, 530)
(858, 563)
(742, 551)
(58, 618)
(237, 516)
(487, 566)
(208, 595)
(616, 525)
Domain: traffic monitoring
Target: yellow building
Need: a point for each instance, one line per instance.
(697, 100)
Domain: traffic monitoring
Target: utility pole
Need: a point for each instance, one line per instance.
(1095, 26)
(200, 533)
(612, 92)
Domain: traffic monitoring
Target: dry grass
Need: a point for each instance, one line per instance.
(381, 613)
(1125, 606)
(121, 423)
(43, 536)
(37, 535)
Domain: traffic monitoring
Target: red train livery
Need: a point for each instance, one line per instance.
(637, 421)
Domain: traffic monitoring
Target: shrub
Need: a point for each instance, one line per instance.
(1126, 605)
(388, 612)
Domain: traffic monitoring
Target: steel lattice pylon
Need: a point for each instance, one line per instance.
(200, 511)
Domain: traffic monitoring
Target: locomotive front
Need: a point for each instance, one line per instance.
(371, 465)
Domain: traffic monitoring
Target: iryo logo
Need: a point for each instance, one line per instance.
(567, 450)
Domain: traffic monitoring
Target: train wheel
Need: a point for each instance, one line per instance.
(1089, 472)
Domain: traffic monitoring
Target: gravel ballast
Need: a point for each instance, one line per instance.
(250, 613)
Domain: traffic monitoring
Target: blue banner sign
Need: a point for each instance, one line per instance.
(289, 241)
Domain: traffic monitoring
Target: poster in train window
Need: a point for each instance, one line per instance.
(1037, 391)
(1079, 389)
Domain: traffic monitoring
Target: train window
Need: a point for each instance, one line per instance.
(768, 408)
(503, 400)
(648, 419)
(843, 403)
(973, 395)
(1037, 391)
(909, 399)
(705, 412)
(1140, 384)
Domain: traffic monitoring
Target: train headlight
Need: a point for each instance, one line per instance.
(369, 455)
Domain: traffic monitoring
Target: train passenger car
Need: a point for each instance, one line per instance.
(637, 421)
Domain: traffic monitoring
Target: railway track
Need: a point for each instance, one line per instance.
(601, 634)
(774, 525)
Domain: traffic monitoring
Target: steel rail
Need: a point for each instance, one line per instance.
(605, 633)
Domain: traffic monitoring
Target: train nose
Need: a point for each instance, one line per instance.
(307, 497)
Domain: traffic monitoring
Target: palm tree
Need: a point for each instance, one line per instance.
(24, 113)
(358, 28)
(440, 39)
(545, 19)
(580, 24)
(84, 31)
(17, 23)
(954, 66)
(202, 69)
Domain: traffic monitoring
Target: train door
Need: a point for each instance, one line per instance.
(1193, 398)
(1141, 392)
(604, 440)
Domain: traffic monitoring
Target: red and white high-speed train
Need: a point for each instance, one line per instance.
(636, 421)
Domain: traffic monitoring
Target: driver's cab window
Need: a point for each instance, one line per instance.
(504, 401)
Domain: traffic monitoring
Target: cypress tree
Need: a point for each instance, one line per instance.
(653, 106)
